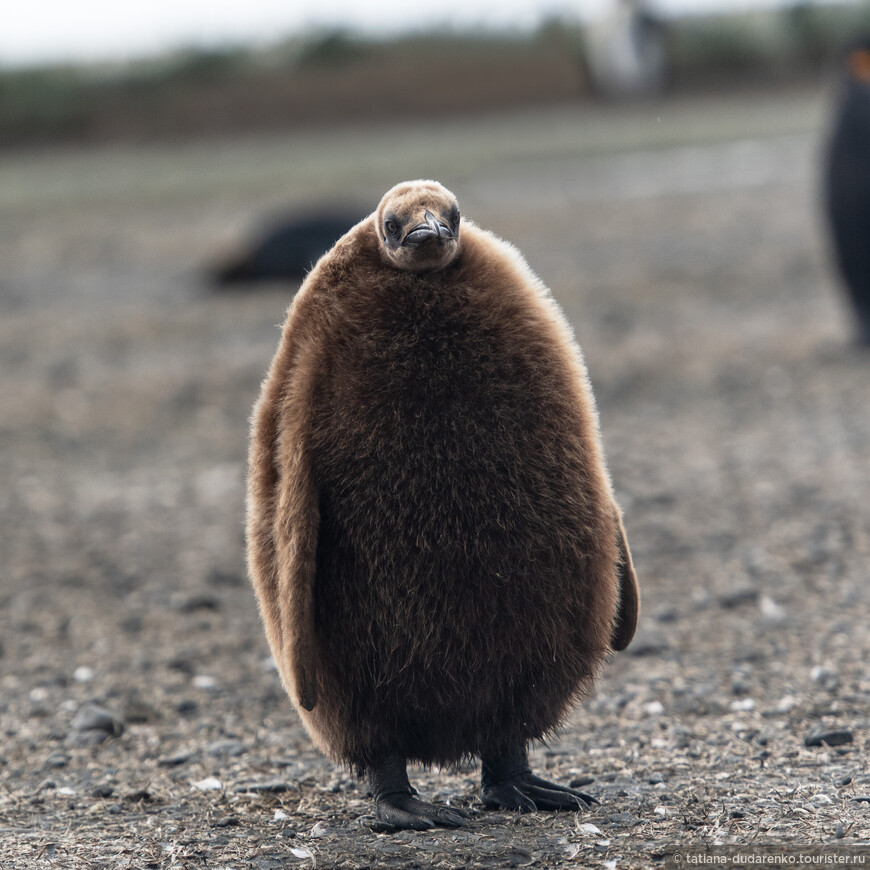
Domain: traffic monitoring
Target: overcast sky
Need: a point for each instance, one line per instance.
(60, 30)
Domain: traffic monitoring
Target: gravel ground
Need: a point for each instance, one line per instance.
(142, 722)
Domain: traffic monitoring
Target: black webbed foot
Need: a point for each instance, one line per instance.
(396, 806)
(404, 811)
(528, 793)
(508, 783)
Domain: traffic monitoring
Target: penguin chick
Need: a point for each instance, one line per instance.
(847, 185)
(440, 564)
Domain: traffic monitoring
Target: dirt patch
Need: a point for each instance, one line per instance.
(734, 413)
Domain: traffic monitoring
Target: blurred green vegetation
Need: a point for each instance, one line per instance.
(337, 77)
(764, 44)
(332, 77)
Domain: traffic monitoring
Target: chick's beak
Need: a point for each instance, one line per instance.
(430, 229)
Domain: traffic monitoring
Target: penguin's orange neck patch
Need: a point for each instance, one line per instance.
(859, 65)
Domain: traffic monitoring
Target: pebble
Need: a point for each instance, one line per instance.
(210, 783)
(739, 597)
(321, 829)
(655, 779)
(205, 681)
(139, 796)
(589, 830)
(182, 664)
(226, 748)
(739, 686)
(226, 822)
(274, 786)
(195, 602)
(92, 717)
(57, 759)
(839, 831)
(829, 738)
(103, 791)
(83, 674)
(771, 612)
(580, 781)
(175, 760)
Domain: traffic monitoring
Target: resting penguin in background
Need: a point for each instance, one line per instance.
(440, 563)
(847, 185)
(286, 248)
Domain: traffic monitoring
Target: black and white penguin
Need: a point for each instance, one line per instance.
(847, 185)
(284, 248)
(625, 50)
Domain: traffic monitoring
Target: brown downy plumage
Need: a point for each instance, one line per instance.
(440, 563)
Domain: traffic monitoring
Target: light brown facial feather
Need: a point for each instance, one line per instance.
(404, 208)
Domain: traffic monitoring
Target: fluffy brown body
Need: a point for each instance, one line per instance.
(440, 563)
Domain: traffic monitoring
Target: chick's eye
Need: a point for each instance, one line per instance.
(391, 227)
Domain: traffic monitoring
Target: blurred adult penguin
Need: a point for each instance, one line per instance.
(440, 562)
(285, 247)
(625, 50)
(847, 184)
